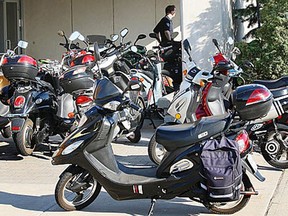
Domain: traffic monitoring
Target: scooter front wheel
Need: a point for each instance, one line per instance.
(76, 189)
(23, 138)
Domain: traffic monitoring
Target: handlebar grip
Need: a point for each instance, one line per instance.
(135, 107)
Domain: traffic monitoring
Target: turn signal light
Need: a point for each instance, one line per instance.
(71, 115)
(185, 72)
(202, 83)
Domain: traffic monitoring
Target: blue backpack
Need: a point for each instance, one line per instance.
(221, 170)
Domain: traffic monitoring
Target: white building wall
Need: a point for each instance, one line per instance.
(43, 18)
(202, 21)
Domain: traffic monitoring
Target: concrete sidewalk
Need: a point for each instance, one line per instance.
(27, 187)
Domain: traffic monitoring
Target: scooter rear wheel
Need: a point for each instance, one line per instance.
(229, 207)
(23, 139)
(76, 189)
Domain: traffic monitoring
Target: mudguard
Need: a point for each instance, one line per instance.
(17, 124)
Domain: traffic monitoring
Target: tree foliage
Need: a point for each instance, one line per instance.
(268, 50)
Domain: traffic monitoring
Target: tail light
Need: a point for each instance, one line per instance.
(27, 60)
(88, 59)
(5, 61)
(15, 128)
(258, 95)
(243, 141)
(81, 100)
(134, 78)
(19, 102)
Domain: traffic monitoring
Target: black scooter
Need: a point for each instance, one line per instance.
(34, 104)
(89, 151)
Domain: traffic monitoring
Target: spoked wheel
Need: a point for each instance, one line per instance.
(24, 139)
(76, 189)
(156, 151)
(229, 207)
(275, 150)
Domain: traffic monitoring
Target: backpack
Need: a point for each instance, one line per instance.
(221, 170)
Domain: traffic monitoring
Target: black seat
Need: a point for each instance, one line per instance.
(279, 92)
(178, 136)
(273, 84)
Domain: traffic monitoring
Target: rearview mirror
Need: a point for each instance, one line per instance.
(74, 36)
(153, 35)
(124, 32)
(141, 36)
(61, 33)
(114, 37)
(22, 44)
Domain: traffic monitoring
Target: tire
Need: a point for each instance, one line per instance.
(135, 137)
(156, 151)
(229, 207)
(79, 200)
(23, 139)
(274, 152)
(6, 132)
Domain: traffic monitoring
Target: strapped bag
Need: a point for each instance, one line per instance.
(221, 170)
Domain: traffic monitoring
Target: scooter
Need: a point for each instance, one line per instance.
(33, 106)
(88, 150)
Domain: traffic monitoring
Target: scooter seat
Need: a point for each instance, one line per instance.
(3, 122)
(173, 137)
(279, 92)
(273, 84)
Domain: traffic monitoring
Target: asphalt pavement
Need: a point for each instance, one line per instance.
(27, 186)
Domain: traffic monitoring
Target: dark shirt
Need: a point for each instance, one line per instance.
(164, 24)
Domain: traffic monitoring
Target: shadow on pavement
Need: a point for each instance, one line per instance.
(104, 203)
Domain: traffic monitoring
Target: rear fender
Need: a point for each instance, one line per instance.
(17, 124)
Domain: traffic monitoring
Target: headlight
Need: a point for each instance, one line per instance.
(113, 105)
(82, 120)
(72, 147)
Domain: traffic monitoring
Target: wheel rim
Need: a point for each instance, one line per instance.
(281, 155)
(77, 198)
(160, 151)
(28, 137)
(228, 205)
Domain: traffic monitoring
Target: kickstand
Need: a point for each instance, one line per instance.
(153, 201)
